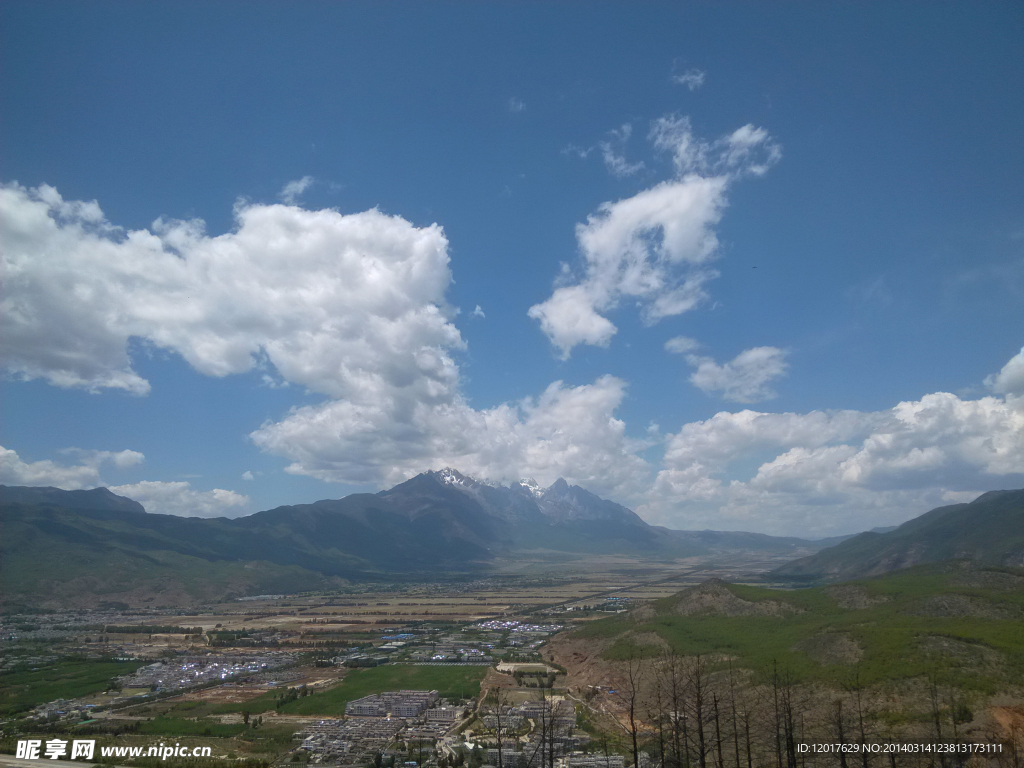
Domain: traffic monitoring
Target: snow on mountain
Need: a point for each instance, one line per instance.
(558, 503)
(533, 487)
(450, 476)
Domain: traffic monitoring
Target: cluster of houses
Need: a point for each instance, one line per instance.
(348, 741)
(190, 671)
(374, 721)
(404, 704)
(63, 709)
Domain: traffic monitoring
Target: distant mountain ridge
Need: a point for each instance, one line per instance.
(987, 531)
(96, 498)
(437, 523)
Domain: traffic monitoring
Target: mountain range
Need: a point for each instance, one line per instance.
(92, 547)
(95, 543)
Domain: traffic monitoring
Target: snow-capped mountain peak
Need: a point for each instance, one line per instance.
(450, 476)
(533, 487)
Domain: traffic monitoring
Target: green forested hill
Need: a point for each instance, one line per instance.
(55, 556)
(954, 617)
(989, 530)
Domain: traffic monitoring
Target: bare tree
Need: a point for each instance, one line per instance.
(746, 733)
(698, 707)
(732, 707)
(633, 681)
(837, 719)
(856, 688)
(543, 723)
(674, 676)
(551, 732)
(656, 712)
(789, 719)
(718, 732)
(500, 699)
(784, 717)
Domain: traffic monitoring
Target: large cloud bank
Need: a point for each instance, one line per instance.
(340, 304)
(348, 306)
(831, 472)
(353, 307)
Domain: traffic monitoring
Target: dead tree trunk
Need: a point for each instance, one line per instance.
(699, 690)
(838, 723)
(718, 733)
(675, 685)
(634, 680)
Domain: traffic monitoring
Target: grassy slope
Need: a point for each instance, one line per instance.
(888, 633)
(456, 682)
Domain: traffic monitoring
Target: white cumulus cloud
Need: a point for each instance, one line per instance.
(83, 474)
(567, 432)
(745, 379)
(824, 473)
(654, 247)
(352, 307)
(178, 498)
(346, 305)
(1009, 380)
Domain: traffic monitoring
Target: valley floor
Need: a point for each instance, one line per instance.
(246, 677)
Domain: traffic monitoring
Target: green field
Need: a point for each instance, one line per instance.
(456, 682)
(66, 679)
(896, 637)
(177, 726)
(262, 739)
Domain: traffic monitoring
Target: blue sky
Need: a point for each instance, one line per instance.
(737, 266)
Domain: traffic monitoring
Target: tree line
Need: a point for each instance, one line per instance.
(152, 629)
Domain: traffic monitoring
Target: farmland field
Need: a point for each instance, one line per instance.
(451, 682)
(66, 679)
